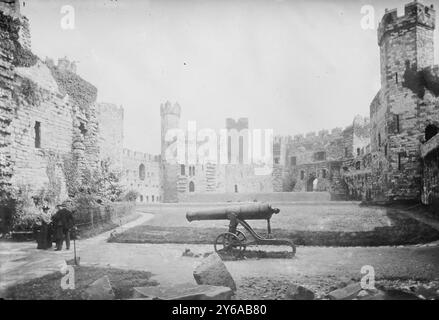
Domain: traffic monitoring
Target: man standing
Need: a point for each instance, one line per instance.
(63, 222)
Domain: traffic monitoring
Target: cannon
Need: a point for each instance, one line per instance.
(235, 241)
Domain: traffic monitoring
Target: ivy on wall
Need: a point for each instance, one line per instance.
(29, 90)
(420, 80)
(9, 40)
(82, 92)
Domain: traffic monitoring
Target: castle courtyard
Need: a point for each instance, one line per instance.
(237, 150)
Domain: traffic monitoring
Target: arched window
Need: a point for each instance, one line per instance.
(236, 188)
(142, 172)
(430, 131)
(191, 186)
(141, 198)
(152, 198)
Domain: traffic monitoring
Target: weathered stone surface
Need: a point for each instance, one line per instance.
(346, 293)
(186, 291)
(100, 290)
(295, 292)
(213, 271)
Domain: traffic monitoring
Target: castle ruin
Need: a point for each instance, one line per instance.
(50, 119)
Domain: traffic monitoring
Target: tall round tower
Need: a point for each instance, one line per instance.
(170, 119)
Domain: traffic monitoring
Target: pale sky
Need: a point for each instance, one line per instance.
(293, 66)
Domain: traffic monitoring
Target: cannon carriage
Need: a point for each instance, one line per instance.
(234, 241)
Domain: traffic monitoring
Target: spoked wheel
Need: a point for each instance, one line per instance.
(230, 244)
(241, 236)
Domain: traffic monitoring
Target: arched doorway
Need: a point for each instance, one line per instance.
(191, 186)
(309, 183)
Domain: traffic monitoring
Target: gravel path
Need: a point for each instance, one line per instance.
(21, 261)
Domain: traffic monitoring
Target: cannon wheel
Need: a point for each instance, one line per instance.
(230, 243)
(241, 236)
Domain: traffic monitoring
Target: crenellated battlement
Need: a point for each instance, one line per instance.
(415, 14)
(140, 156)
(167, 108)
(240, 124)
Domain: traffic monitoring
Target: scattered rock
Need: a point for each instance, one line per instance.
(346, 293)
(188, 253)
(186, 291)
(213, 271)
(100, 290)
(295, 292)
(427, 293)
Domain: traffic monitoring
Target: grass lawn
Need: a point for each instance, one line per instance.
(88, 231)
(48, 287)
(338, 224)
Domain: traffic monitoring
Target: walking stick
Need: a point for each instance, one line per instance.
(74, 251)
(74, 247)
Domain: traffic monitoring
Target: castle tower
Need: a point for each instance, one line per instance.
(170, 119)
(398, 113)
(405, 39)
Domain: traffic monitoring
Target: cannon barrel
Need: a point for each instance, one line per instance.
(259, 211)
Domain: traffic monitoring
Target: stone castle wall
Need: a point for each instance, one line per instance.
(6, 105)
(110, 119)
(405, 104)
(49, 120)
(141, 173)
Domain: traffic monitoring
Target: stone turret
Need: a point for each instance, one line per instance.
(170, 119)
(408, 39)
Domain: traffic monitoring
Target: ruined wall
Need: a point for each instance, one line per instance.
(320, 155)
(48, 122)
(141, 172)
(39, 104)
(30, 96)
(6, 104)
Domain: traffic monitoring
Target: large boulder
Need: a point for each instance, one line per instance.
(213, 271)
(100, 290)
(186, 291)
(295, 292)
